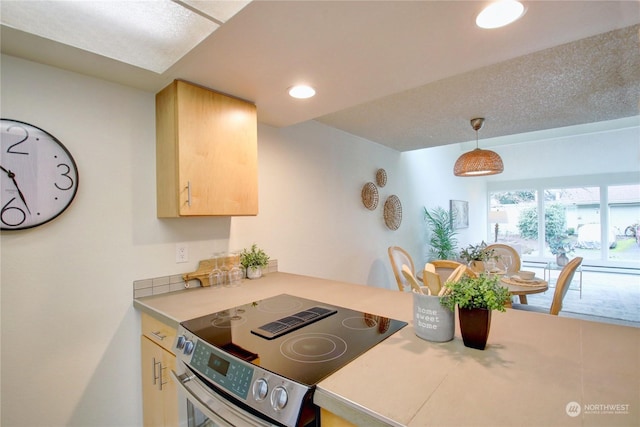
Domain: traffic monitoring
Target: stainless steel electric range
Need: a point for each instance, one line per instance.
(258, 364)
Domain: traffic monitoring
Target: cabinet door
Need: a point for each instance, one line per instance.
(207, 155)
(159, 393)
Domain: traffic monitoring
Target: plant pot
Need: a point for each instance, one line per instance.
(254, 272)
(477, 266)
(431, 320)
(562, 259)
(474, 326)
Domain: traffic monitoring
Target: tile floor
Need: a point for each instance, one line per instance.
(606, 297)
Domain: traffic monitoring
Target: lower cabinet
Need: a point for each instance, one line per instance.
(329, 419)
(159, 393)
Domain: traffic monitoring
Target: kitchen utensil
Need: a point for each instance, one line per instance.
(406, 272)
(453, 277)
(432, 281)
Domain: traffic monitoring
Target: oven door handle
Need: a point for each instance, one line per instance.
(214, 407)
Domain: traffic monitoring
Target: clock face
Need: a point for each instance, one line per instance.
(39, 176)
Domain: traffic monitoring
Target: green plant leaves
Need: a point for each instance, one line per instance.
(254, 258)
(442, 241)
(481, 292)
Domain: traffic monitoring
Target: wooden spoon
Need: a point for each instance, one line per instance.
(406, 272)
(432, 281)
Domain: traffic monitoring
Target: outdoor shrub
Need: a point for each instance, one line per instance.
(555, 222)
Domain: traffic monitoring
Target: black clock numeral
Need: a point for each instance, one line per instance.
(65, 174)
(12, 148)
(8, 215)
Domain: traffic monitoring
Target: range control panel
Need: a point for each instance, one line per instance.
(223, 370)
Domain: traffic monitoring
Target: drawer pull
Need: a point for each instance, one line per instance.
(159, 335)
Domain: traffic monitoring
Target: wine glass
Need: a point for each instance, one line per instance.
(507, 262)
(236, 273)
(489, 266)
(216, 276)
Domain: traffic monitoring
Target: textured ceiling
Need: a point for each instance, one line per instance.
(592, 80)
(406, 74)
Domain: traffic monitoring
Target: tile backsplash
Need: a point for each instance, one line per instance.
(165, 284)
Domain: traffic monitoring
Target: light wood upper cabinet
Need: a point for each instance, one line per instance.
(206, 153)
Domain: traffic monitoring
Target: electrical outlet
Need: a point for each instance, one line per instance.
(182, 253)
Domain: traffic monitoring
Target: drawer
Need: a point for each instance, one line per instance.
(158, 331)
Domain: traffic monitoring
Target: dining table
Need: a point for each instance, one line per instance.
(522, 288)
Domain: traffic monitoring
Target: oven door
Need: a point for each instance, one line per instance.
(205, 408)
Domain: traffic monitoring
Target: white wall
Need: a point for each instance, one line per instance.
(70, 337)
(432, 184)
(311, 214)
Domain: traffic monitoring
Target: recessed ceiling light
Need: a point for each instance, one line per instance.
(302, 91)
(499, 14)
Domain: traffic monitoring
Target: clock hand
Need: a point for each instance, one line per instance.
(20, 192)
(13, 178)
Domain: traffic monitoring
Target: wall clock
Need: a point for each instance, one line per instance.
(39, 176)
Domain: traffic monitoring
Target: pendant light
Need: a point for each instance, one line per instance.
(478, 162)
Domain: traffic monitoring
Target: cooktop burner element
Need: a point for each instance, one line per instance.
(313, 347)
(280, 305)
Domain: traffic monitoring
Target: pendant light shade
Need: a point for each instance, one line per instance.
(478, 162)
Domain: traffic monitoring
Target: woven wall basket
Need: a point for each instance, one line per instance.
(393, 212)
(370, 196)
(381, 177)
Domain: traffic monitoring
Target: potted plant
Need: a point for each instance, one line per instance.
(560, 246)
(476, 255)
(443, 243)
(254, 261)
(475, 297)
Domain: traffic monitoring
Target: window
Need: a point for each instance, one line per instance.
(513, 220)
(572, 222)
(624, 220)
(599, 223)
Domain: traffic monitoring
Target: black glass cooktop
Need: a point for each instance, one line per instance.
(297, 338)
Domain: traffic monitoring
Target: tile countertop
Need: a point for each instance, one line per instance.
(534, 367)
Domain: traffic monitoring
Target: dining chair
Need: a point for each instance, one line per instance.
(562, 284)
(445, 267)
(398, 257)
(505, 250)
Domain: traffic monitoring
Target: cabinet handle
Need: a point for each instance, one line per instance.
(155, 375)
(189, 193)
(162, 382)
(159, 335)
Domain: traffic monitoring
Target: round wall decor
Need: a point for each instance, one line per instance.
(393, 212)
(381, 178)
(370, 196)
